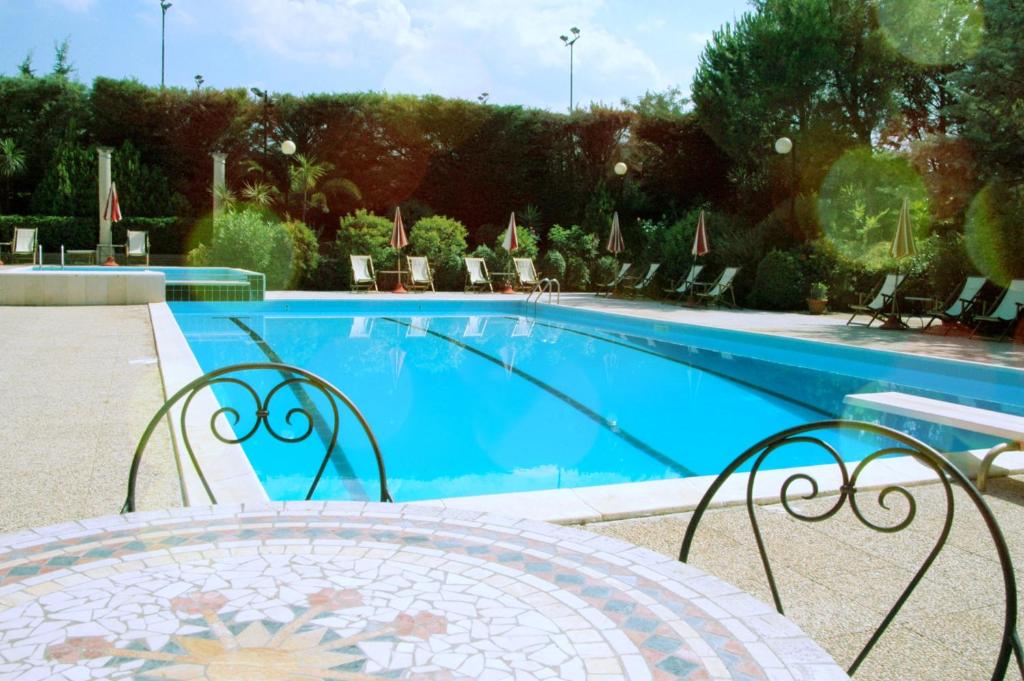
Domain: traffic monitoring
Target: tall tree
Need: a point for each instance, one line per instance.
(12, 162)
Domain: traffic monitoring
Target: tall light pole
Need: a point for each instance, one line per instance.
(569, 42)
(164, 6)
(784, 146)
(262, 94)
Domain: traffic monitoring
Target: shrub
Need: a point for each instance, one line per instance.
(605, 269)
(443, 240)
(305, 254)
(579, 248)
(361, 233)
(553, 265)
(253, 241)
(528, 248)
(780, 283)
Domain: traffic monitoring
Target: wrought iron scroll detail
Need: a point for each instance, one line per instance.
(234, 424)
(885, 498)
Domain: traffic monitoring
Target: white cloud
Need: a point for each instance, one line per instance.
(451, 47)
(75, 5)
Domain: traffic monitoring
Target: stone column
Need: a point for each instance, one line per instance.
(104, 246)
(219, 162)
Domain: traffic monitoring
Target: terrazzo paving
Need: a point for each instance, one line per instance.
(369, 591)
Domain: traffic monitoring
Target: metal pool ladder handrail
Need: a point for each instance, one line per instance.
(549, 285)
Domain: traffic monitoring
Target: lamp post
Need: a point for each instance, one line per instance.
(164, 6)
(262, 94)
(569, 42)
(287, 148)
(784, 146)
(620, 169)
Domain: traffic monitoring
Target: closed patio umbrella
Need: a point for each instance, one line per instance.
(112, 212)
(399, 241)
(615, 243)
(700, 238)
(510, 243)
(903, 246)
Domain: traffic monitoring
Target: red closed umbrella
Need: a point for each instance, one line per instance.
(399, 241)
(112, 212)
(700, 239)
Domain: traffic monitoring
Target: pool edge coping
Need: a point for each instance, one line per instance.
(576, 505)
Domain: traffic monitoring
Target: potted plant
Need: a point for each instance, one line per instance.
(817, 298)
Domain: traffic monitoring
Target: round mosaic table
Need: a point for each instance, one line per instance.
(372, 591)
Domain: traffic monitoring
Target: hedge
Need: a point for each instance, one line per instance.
(170, 236)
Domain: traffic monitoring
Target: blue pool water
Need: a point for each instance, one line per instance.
(171, 274)
(481, 398)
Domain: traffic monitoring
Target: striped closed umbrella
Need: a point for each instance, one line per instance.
(511, 241)
(399, 241)
(700, 239)
(112, 207)
(903, 243)
(615, 243)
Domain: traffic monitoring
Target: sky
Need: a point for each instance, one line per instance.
(454, 48)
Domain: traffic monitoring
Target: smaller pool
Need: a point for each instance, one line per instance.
(132, 285)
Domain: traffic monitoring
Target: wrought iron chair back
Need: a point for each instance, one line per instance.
(292, 379)
(812, 434)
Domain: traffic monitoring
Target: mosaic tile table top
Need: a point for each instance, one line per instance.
(356, 591)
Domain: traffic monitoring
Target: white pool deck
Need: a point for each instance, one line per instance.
(233, 480)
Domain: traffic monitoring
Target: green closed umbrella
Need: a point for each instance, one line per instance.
(903, 246)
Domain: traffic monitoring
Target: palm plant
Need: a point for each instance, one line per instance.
(259, 193)
(305, 179)
(12, 162)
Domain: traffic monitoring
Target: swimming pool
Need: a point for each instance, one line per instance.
(470, 398)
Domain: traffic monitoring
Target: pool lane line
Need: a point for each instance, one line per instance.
(713, 372)
(615, 430)
(341, 463)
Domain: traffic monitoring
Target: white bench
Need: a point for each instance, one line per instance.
(1005, 426)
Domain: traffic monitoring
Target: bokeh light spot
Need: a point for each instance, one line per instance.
(994, 232)
(932, 32)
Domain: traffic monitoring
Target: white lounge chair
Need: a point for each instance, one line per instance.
(641, 286)
(961, 307)
(686, 284)
(136, 245)
(1007, 312)
(612, 285)
(526, 273)
(363, 277)
(420, 276)
(712, 294)
(881, 302)
(23, 243)
(477, 277)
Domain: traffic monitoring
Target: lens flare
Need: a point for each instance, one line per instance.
(860, 199)
(994, 232)
(932, 32)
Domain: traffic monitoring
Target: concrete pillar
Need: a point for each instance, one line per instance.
(104, 247)
(219, 162)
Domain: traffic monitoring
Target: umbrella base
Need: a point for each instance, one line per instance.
(111, 262)
(507, 290)
(399, 289)
(894, 323)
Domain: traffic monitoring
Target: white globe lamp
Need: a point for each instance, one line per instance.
(287, 147)
(783, 145)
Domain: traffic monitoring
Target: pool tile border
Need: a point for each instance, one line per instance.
(178, 366)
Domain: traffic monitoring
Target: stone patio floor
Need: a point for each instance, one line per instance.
(78, 385)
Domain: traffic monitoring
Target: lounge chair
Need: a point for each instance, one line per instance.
(526, 274)
(420, 276)
(1006, 313)
(961, 306)
(477, 278)
(23, 243)
(136, 245)
(881, 301)
(641, 285)
(613, 285)
(363, 277)
(686, 284)
(716, 292)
